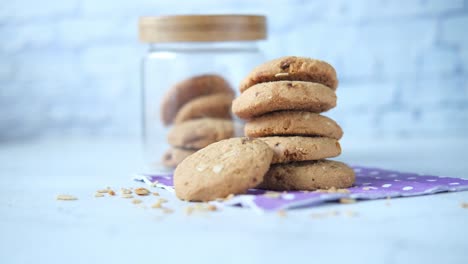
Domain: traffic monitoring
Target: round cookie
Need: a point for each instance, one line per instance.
(174, 156)
(199, 133)
(309, 175)
(215, 105)
(230, 166)
(189, 89)
(263, 98)
(293, 69)
(289, 149)
(287, 123)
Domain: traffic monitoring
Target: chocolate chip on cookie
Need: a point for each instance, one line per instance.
(226, 167)
(292, 68)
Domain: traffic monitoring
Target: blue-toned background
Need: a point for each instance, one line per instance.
(70, 67)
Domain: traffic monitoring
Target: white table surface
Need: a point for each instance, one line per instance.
(36, 228)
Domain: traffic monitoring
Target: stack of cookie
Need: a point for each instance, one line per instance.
(200, 110)
(282, 101)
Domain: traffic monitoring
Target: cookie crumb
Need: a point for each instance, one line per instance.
(136, 201)
(281, 74)
(347, 200)
(66, 197)
(125, 191)
(127, 195)
(211, 207)
(142, 191)
(98, 194)
(102, 191)
(342, 191)
(464, 205)
(282, 213)
(270, 194)
(202, 207)
(333, 190)
(189, 210)
(156, 205)
(167, 211)
(155, 194)
(111, 193)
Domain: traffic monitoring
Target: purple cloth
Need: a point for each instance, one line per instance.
(371, 183)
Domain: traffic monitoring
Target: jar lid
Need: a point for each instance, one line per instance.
(202, 28)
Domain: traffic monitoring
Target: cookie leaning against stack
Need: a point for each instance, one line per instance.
(282, 101)
(230, 166)
(200, 109)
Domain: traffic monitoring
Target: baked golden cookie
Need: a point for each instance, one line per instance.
(293, 69)
(269, 97)
(187, 90)
(308, 175)
(215, 105)
(199, 133)
(230, 166)
(293, 123)
(174, 156)
(289, 149)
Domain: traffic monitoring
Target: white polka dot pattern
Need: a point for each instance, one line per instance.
(370, 184)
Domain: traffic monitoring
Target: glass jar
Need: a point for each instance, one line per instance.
(189, 77)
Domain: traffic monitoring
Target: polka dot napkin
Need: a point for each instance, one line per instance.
(370, 184)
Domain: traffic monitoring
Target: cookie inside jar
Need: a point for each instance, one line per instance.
(189, 80)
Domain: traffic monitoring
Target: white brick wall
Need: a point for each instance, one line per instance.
(71, 67)
(28, 10)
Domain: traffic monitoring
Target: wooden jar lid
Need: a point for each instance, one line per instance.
(202, 28)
